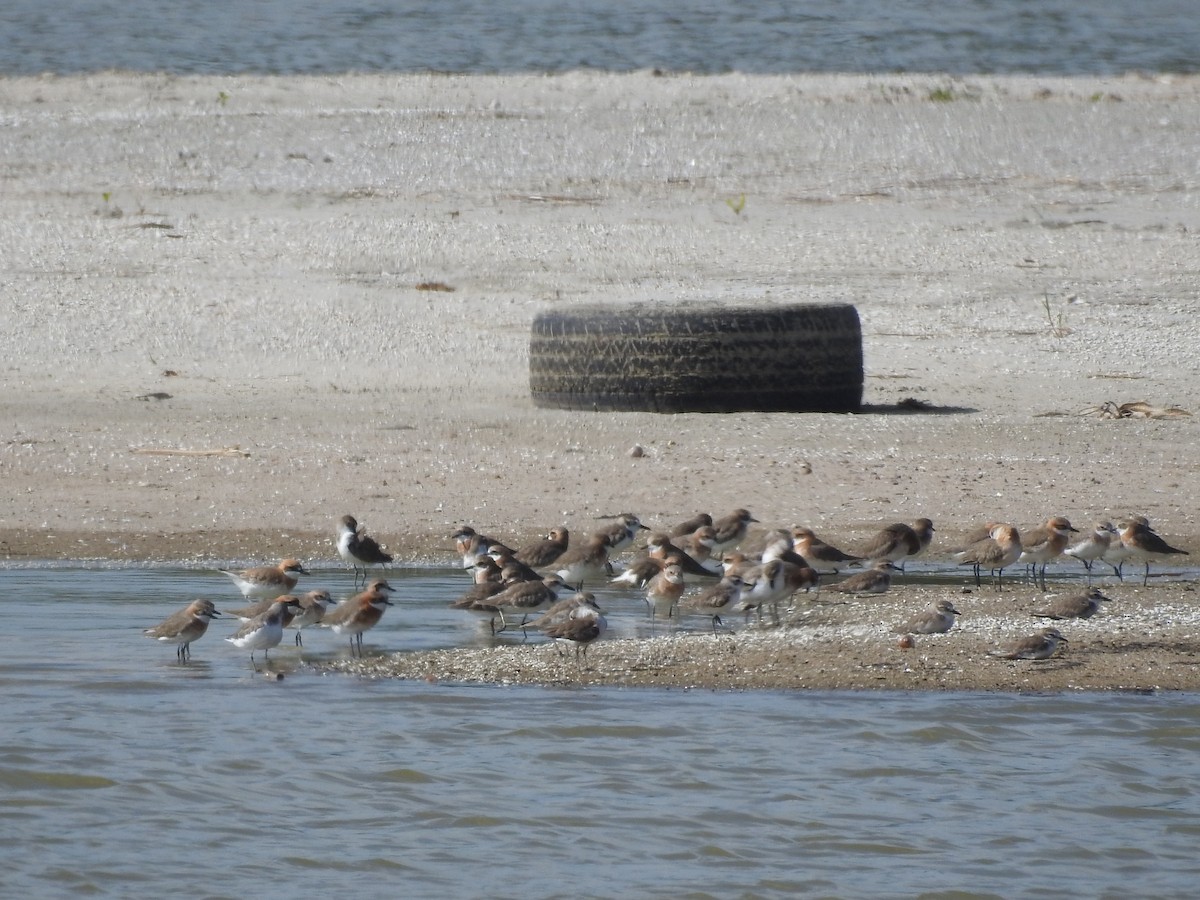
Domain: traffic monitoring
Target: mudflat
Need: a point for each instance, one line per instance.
(239, 308)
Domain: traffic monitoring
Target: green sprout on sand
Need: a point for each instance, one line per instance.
(222, 97)
(942, 95)
(109, 210)
(736, 205)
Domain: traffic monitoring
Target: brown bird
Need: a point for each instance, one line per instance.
(1035, 646)
(666, 587)
(1140, 542)
(823, 557)
(545, 551)
(563, 609)
(995, 553)
(1117, 553)
(683, 529)
(738, 564)
(488, 583)
(312, 610)
(513, 569)
(185, 626)
(585, 562)
(527, 596)
(1082, 605)
(899, 542)
(641, 571)
(266, 630)
(975, 535)
(360, 613)
(621, 533)
(780, 544)
(1045, 543)
(264, 582)
(660, 546)
(699, 546)
(876, 580)
(937, 620)
(724, 594)
(470, 544)
(772, 581)
(585, 625)
(730, 530)
(254, 610)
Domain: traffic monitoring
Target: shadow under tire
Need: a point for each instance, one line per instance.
(700, 358)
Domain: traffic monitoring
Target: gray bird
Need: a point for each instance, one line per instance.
(1035, 646)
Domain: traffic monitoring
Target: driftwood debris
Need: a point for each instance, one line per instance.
(219, 451)
(1138, 409)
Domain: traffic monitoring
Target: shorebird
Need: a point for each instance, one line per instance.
(545, 551)
(489, 581)
(936, 620)
(772, 581)
(699, 546)
(641, 571)
(312, 610)
(585, 625)
(360, 613)
(899, 542)
(266, 582)
(563, 609)
(185, 626)
(975, 535)
(486, 572)
(1142, 543)
(1081, 605)
(875, 580)
(585, 562)
(254, 610)
(730, 530)
(823, 557)
(1093, 546)
(779, 544)
(660, 546)
(621, 533)
(510, 566)
(359, 550)
(1043, 544)
(994, 553)
(683, 529)
(723, 595)
(924, 530)
(665, 588)
(1035, 646)
(265, 631)
(738, 564)
(1117, 553)
(470, 545)
(527, 596)
(894, 543)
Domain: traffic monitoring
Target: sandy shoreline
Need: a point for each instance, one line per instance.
(198, 264)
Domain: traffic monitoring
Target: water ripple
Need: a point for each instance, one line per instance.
(203, 771)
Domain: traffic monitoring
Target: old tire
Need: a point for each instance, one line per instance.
(711, 358)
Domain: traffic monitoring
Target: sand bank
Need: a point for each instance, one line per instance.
(217, 264)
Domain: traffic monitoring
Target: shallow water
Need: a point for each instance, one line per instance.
(125, 774)
(703, 36)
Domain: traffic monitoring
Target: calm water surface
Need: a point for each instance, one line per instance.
(124, 774)
(703, 36)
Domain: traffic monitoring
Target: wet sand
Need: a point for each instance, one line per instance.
(220, 334)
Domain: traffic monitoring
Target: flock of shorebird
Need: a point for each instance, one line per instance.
(520, 587)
